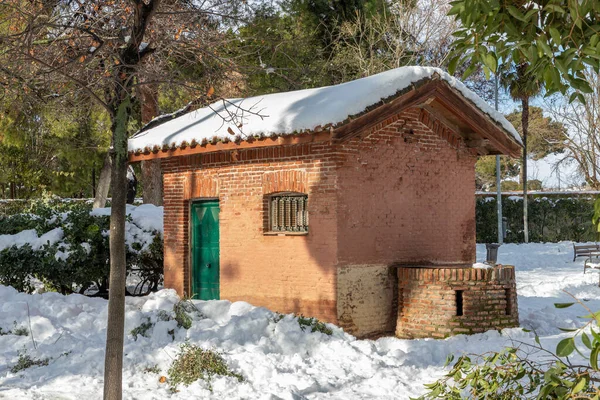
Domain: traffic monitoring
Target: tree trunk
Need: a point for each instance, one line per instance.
(94, 182)
(152, 182)
(103, 183)
(525, 125)
(113, 363)
(151, 169)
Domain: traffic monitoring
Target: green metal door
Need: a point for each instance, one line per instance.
(205, 250)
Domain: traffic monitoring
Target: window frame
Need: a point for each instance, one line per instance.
(268, 227)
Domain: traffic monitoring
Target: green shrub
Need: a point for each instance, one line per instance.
(151, 369)
(551, 219)
(81, 260)
(193, 363)
(314, 324)
(142, 329)
(183, 310)
(514, 374)
(182, 313)
(17, 330)
(26, 361)
(306, 322)
(20, 330)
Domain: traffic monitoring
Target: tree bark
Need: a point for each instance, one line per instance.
(103, 183)
(152, 182)
(151, 169)
(525, 125)
(113, 364)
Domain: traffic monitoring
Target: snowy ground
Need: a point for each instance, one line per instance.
(277, 360)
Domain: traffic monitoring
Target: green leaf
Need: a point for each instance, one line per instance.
(585, 339)
(514, 11)
(593, 315)
(556, 37)
(530, 13)
(568, 329)
(579, 386)
(542, 42)
(470, 69)
(565, 347)
(554, 8)
(456, 9)
(594, 357)
(595, 335)
(486, 72)
(452, 65)
(563, 305)
(490, 61)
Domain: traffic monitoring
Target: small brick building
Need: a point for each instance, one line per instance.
(353, 203)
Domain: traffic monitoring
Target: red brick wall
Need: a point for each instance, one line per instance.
(405, 196)
(427, 305)
(283, 273)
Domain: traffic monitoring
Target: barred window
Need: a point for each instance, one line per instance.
(288, 213)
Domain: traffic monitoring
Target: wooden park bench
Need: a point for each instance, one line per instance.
(592, 262)
(581, 250)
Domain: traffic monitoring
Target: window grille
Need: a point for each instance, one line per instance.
(289, 213)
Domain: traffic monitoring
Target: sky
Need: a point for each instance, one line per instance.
(553, 178)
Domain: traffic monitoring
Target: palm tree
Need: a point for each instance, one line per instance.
(522, 85)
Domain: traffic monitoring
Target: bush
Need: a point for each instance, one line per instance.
(142, 329)
(314, 324)
(514, 374)
(194, 363)
(26, 361)
(183, 310)
(307, 322)
(81, 260)
(17, 331)
(182, 314)
(551, 219)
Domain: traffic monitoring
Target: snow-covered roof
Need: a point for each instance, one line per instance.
(298, 111)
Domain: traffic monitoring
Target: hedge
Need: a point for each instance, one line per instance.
(552, 218)
(80, 261)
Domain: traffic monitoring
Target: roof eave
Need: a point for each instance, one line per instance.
(425, 93)
(438, 92)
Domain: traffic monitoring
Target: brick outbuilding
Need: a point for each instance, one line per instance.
(353, 203)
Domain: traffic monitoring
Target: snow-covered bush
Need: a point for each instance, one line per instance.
(38, 214)
(68, 251)
(27, 361)
(312, 323)
(184, 312)
(16, 330)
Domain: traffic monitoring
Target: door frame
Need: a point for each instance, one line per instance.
(190, 277)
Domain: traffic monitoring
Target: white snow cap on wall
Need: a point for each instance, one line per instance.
(298, 111)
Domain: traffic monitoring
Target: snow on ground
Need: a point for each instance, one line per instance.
(277, 360)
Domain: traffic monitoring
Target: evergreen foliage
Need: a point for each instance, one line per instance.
(78, 262)
(551, 219)
(528, 371)
(194, 363)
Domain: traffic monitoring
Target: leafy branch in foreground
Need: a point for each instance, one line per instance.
(528, 371)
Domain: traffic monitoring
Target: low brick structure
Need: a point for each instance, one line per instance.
(316, 222)
(439, 301)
